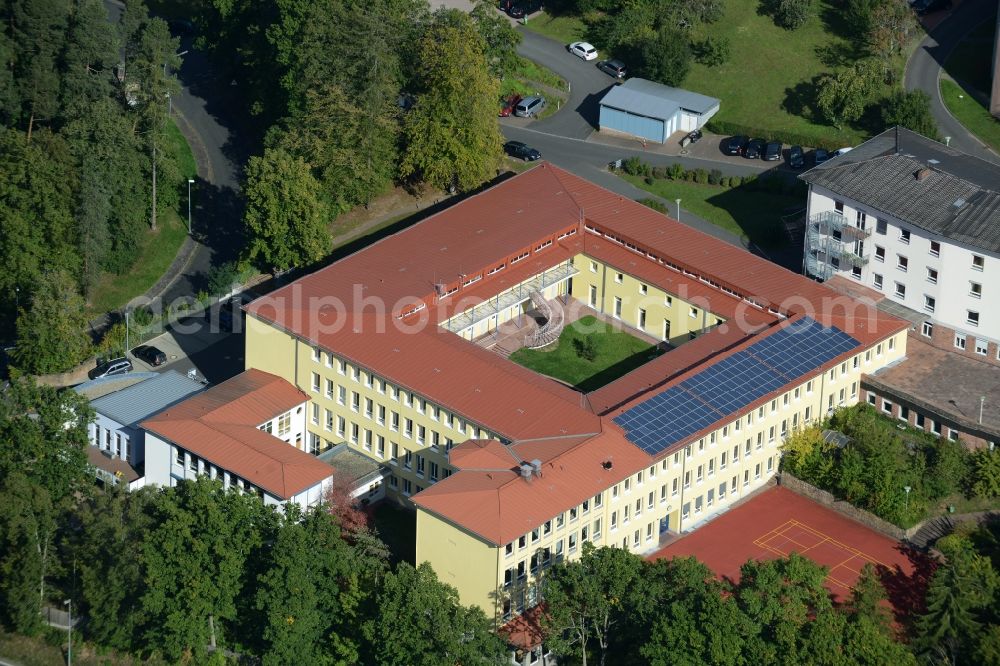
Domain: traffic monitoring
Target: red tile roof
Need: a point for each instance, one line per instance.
(525, 631)
(220, 425)
(499, 505)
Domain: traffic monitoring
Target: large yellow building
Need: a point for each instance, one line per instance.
(510, 471)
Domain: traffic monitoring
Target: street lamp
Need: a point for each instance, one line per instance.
(126, 333)
(678, 209)
(69, 628)
(190, 183)
(906, 502)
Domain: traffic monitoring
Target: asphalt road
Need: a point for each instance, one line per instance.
(924, 68)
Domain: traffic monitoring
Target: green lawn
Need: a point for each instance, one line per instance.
(971, 113)
(749, 213)
(618, 353)
(564, 29)
(156, 250)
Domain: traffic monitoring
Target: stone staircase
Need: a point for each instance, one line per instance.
(931, 531)
(555, 320)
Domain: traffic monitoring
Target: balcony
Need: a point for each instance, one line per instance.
(830, 221)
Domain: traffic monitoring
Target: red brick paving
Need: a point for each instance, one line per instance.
(778, 521)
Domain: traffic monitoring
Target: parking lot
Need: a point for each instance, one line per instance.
(194, 344)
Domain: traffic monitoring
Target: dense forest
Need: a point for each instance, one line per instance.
(193, 573)
(83, 111)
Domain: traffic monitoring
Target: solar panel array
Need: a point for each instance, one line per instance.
(730, 385)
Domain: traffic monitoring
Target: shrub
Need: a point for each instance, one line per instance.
(675, 171)
(112, 344)
(655, 204)
(585, 348)
(986, 473)
(660, 173)
(632, 166)
(787, 14)
(714, 177)
(735, 181)
(221, 278)
(648, 180)
(701, 176)
(789, 138)
(713, 51)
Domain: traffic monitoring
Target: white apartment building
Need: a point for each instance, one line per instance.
(919, 223)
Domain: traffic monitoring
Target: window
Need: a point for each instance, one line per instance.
(877, 280)
(341, 395)
(975, 290)
(329, 389)
(643, 289)
(879, 253)
(641, 319)
(284, 423)
(887, 407)
(668, 301)
(904, 236)
(972, 318)
(900, 290)
(981, 347)
(593, 296)
(856, 272)
(881, 227)
(315, 382)
(839, 206)
(179, 457)
(355, 401)
(317, 354)
(977, 262)
(929, 303)
(315, 413)
(693, 313)
(618, 307)
(935, 249)
(619, 277)
(932, 275)
(593, 267)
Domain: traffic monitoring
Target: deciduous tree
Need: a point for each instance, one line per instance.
(452, 137)
(51, 332)
(286, 215)
(842, 97)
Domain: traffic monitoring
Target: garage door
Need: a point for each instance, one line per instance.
(651, 129)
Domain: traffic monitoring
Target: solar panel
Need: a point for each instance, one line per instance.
(728, 386)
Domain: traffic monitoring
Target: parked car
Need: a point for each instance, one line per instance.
(515, 11)
(529, 106)
(796, 160)
(922, 7)
(754, 149)
(150, 355)
(615, 68)
(116, 366)
(772, 151)
(736, 145)
(691, 137)
(841, 151)
(820, 156)
(507, 105)
(522, 151)
(583, 50)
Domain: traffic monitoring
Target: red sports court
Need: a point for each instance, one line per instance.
(777, 522)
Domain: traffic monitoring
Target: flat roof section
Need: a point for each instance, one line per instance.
(950, 384)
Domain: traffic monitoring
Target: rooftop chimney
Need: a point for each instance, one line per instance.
(526, 470)
(536, 466)
(922, 174)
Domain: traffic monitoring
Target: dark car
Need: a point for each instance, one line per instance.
(796, 160)
(615, 68)
(116, 366)
(820, 156)
(693, 136)
(150, 355)
(754, 149)
(772, 151)
(507, 105)
(521, 150)
(515, 11)
(922, 7)
(735, 145)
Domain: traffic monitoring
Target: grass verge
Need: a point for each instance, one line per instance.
(973, 115)
(616, 353)
(564, 29)
(749, 213)
(970, 61)
(156, 250)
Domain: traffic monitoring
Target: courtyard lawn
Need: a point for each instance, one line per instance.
(973, 115)
(617, 353)
(749, 213)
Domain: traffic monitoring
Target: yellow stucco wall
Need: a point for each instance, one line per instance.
(459, 558)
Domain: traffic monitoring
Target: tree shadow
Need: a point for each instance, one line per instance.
(907, 592)
(801, 98)
(834, 18)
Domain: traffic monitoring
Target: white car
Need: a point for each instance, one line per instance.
(583, 50)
